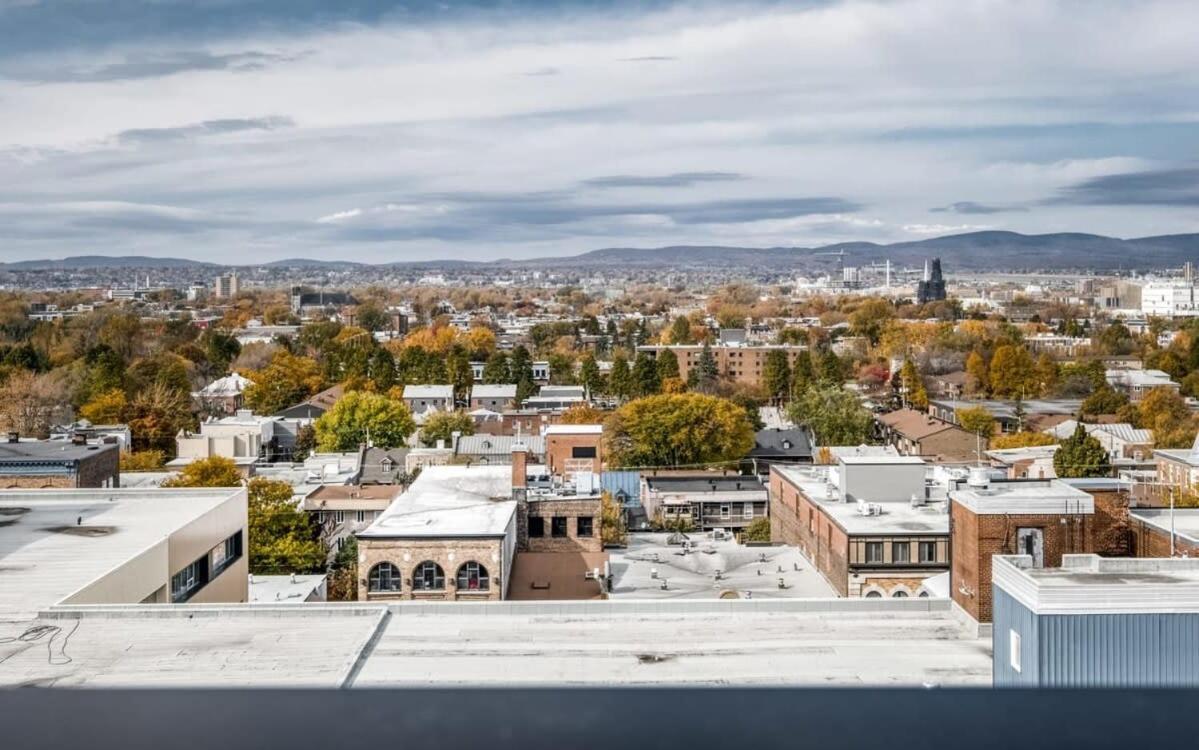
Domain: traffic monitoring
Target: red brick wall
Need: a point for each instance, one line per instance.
(791, 515)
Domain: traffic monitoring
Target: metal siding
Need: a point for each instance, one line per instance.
(1009, 614)
(629, 481)
(1133, 650)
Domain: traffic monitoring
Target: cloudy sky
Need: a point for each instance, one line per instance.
(247, 130)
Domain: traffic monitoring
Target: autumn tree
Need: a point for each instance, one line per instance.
(979, 373)
(106, 408)
(1025, 439)
(870, 317)
(914, 392)
(1012, 374)
(976, 419)
(834, 415)
(442, 425)
(679, 332)
(214, 471)
(282, 537)
(156, 415)
(28, 402)
(286, 381)
(678, 430)
(360, 417)
(612, 525)
(581, 413)
(1105, 400)
(1081, 455)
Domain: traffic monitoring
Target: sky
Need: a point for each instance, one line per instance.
(254, 130)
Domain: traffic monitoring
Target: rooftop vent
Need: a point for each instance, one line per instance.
(14, 437)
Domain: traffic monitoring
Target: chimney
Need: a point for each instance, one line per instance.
(14, 437)
(520, 462)
(78, 438)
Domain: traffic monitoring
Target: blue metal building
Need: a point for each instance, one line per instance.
(1096, 622)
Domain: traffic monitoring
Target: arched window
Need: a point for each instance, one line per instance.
(428, 577)
(473, 577)
(874, 594)
(899, 594)
(384, 578)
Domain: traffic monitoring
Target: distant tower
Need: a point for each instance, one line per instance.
(932, 288)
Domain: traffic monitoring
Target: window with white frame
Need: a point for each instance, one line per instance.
(747, 510)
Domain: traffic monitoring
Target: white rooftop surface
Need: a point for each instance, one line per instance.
(428, 391)
(692, 576)
(1035, 497)
(574, 429)
(898, 516)
(450, 501)
(667, 643)
(40, 567)
(1093, 584)
(283, 589)
(191, 646)
(845, 451)
(1185, 523)
(493, 391)
(880, 460)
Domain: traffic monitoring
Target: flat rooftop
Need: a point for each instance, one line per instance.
(449, 501)
(1024, 496)
(743, 570)
(701, 483)
(798, 642)
(47, 553)
(1186, 521)
(1089, 584)
(898, 516)
(49, 450)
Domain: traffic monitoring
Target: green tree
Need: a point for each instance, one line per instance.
(1105, 400)
(620, 380)
(305, 443)
(705, 375)
(870, 318)
(831, 369)
(776, 375)
(612, 525)
(282, 537)
(520, 372)
(1081, 455)
(668, 364)
(562, 368)
(802, 374)
(589, 374)
(495, 370)
(442, 425)
(460, 374)
(343, 573)
(678, 430)
(835, 416)
(680, 331)
(758, 530)
(645, 375)
(214, 471)
(372, 317)
(360, 415)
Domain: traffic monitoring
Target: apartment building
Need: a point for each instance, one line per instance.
(705, 502)
(740, 363)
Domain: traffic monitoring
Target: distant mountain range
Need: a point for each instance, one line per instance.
(972, 251)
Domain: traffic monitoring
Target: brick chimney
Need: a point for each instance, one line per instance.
(520, 493)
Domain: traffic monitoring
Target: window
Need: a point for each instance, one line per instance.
(360, 516)
(558, 526)
(384, 578)
(582, 451)
(1031, 542)
(187, 581)
(536, 526)
(874, 552)
(747, 510)
(473, 577)
(928, 552)
(724, 511)
(901, 552)
(428, 577)
(899, 594)
(874, 595)
(811, 521)
(339, 516)
(1013, 648)
(224, 554)
(585, 525)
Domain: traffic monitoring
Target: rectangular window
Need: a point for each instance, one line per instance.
(558, 526)
(928, 552)
(339, 516)
(1013, 647)
(224, 554)
(724, 511)
(582, 451)
(874, 552)
(187, 581)
(811, 522)
(747, 510)
(360, 516)
(586, 526)
(536, 526)
(901, 552)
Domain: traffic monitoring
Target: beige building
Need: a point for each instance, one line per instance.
(742, 364)
(115, 546)
(239, 437)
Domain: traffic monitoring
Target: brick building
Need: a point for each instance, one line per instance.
(739, 363)
(571, 448)
(1041, 518)
(914, 433)
(869, 523)
(32, 464)
(1160, 533)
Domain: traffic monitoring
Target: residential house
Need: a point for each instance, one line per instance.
(914, 433)
(223, 395)
(424, 398)
(1136, 384)
(494, 398)
(705, 501)
(780, 446)
(343, 510)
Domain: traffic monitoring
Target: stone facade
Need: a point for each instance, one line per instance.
(450, 554)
